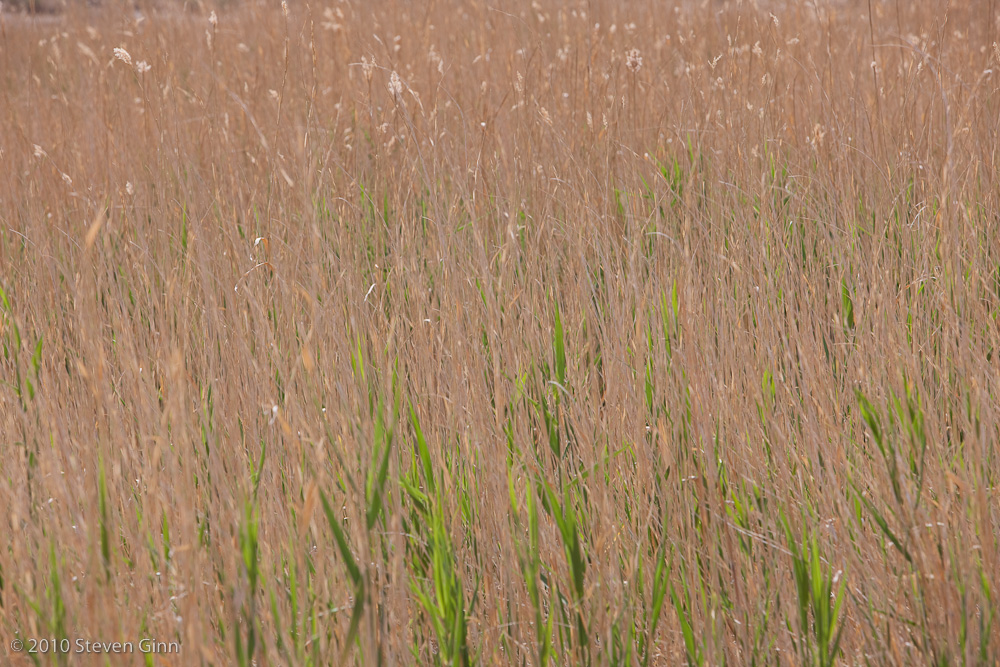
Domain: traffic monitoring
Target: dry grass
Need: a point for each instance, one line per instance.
(452, 333)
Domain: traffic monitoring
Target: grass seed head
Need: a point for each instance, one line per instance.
(123, 55)
(633, 60)
(395, 85)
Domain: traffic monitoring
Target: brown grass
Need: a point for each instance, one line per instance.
(700, 337)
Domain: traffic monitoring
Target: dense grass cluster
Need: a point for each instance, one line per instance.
(451, 333)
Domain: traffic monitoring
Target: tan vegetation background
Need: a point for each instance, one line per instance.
(566, 333)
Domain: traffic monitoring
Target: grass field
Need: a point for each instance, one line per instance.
(526, 334)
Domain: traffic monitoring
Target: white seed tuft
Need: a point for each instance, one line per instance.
(633, 60)
(123, 55)
(395, 85)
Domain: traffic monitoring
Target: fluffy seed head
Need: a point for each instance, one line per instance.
(633, 60)
(368, 68)
(123, 55)
(395, 85)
